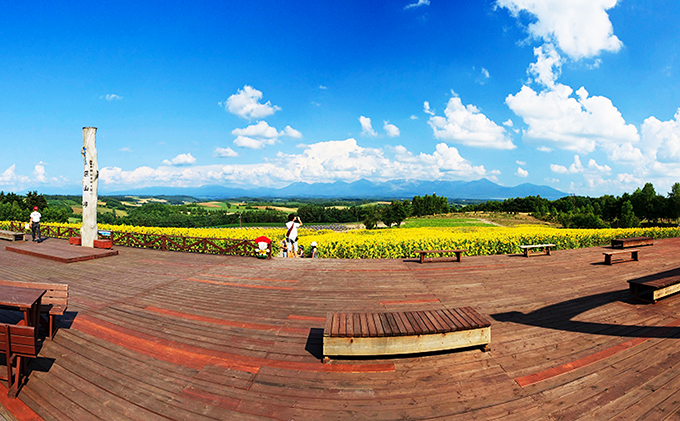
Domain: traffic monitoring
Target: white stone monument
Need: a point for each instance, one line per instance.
(88, 231)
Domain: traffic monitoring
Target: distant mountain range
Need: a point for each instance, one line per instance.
(362, 189)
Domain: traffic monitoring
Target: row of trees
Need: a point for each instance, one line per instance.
(628, 210)
(14, 207)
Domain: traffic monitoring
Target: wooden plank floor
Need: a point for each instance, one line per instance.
(153, 335)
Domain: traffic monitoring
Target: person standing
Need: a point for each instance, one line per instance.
(291, 235)
(35, 223)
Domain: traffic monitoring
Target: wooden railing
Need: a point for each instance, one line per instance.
(227, 246)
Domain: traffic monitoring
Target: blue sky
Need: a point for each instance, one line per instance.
(580, 95)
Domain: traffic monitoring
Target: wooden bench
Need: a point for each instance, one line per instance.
(424, 252)
(632, 242)
(544, 247)
(17, 342)
(11, 235)
(651, 290)
(54, 302)
(633, 254)
(364, 334)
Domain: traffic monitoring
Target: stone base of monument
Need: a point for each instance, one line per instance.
(74, 241)
(103, 244)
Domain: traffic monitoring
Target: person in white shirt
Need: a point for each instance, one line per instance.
(35, 223)
(291, 235)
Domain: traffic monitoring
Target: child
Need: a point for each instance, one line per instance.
(284, 248)
(302, 250)
(315, 254)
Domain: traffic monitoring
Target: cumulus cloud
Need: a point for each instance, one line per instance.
(366, 127)
(427, 109)
(39, 172)
(319, 162)
(573, 123)
(465, 124)
(257, 136)
(224, 152)
(291, 132)
(662, 138)
(418, 4)
(548, 65)
(521, 172)
(246, 104)
(391, 129)
(10, 177)
(577, 167)
(181, 159)
(252, 143)
(580, 28)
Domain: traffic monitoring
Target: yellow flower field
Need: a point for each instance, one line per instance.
(399, 243)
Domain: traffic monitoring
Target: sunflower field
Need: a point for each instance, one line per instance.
(398, 243)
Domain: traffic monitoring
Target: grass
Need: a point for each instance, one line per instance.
(444, 222)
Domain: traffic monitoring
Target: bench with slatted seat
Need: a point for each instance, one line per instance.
(651, 290)
(17, 343)
(422, 254)
(54, 302)
(609, 254)
(11, 235)
(544, 247)
(409, 332)
(632, 242)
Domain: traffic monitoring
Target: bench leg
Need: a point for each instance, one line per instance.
(422, 258)
(547, 251)
(608, 259)
(635, 255)
(486, 348)
(458, 253)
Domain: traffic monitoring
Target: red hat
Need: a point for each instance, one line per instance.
(35, 208)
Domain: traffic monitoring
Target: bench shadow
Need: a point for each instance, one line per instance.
(559, 316)
(314, 343)
(66, 321)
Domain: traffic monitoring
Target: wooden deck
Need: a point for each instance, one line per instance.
(60, 251)
(153, 335)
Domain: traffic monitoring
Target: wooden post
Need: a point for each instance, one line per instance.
(90, 183)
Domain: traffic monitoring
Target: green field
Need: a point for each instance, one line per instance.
(443, 222)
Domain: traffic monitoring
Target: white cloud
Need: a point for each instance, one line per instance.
(252, 143)
(661, 139)
(257, 136)
(521, 172)
(224, 153)
(544, 149)
(485, 73)
(111, 97)
(580, 28)
(10, 178)
(418, 4)
(125, 149)
(413, 117)
(246, 104)
(366, 128)
(578, 124)
(323, 88)
(427, 109)
(547, 67)
(391, 129)
(39, 172)
(508, 123)
(319, 162)
(261, 129)
(289, 131)
(521, 163)
(181, 159)
(466, 125)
